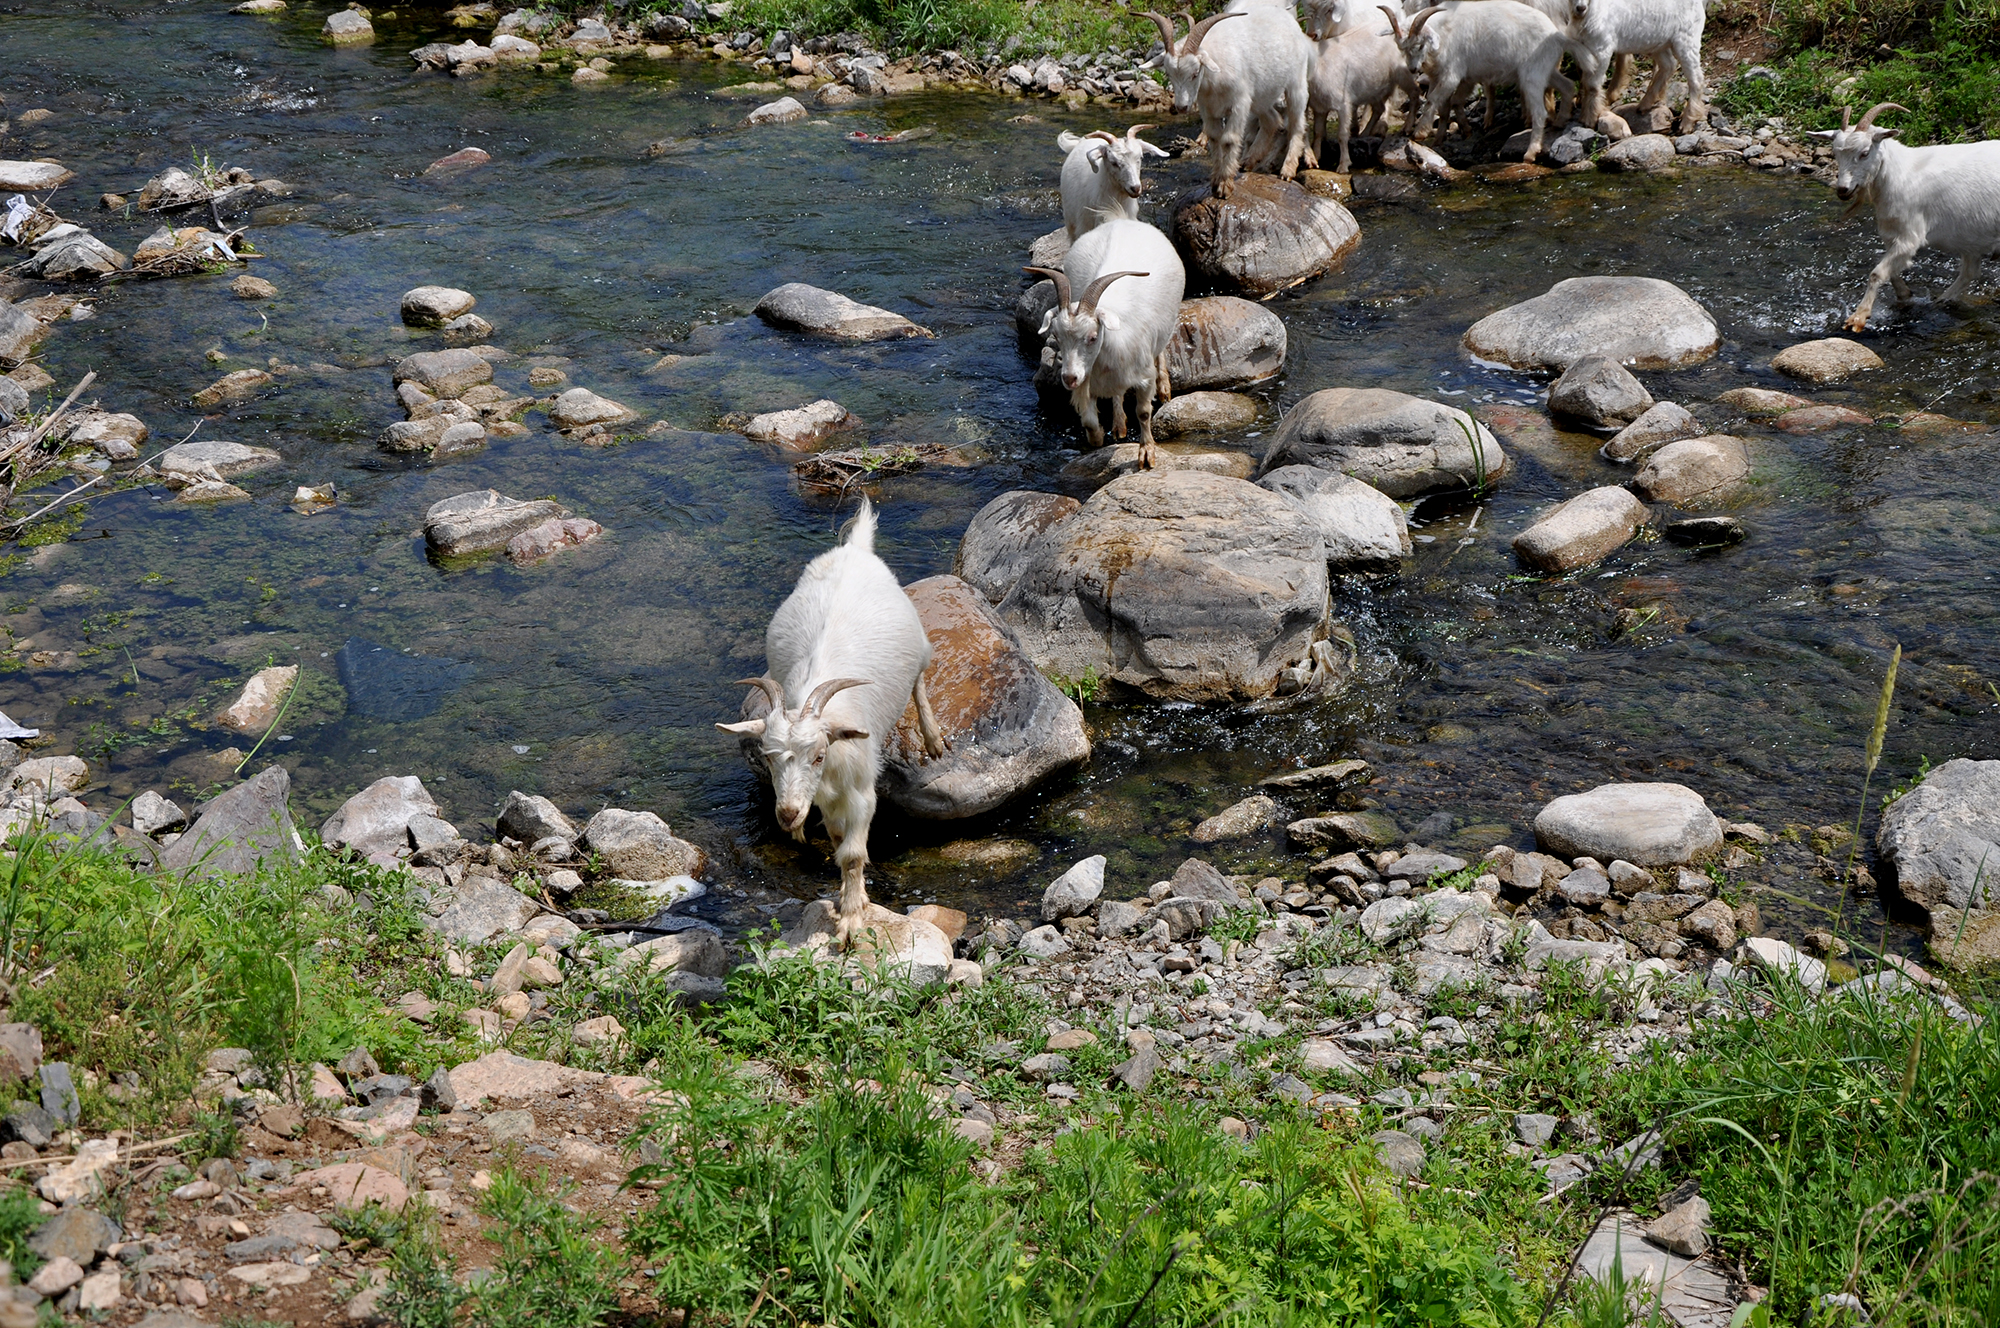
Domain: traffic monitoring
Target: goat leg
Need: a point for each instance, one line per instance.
(851, 854)
(1695, 114)
(1118, 415)
(1164, 387)
(1968, 273)
(1663, 74)
(1148, 454)
(1086, 410)
(927, 723)
(1888, 270)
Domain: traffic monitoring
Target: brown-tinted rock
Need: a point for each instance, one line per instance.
(1268, 235)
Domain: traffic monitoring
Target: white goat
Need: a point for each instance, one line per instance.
(848, 640)
(1360, 67)
(1253, 71)
(1946, 197)
(1494, 42)
(1100, 177)
(1667, 30)
(1113, 338)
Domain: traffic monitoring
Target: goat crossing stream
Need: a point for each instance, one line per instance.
(1748, 672)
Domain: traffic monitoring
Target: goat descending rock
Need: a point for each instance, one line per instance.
(848, 640)
(1450, 47)
(1946, 197)
(1100, 177)
(1253, 71)
(1113, 338)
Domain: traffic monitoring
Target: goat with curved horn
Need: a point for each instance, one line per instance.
(1449, 49)
(1395, 22)
(1245, 71)
(1060, 279)
(1098, 285)
(1945, 197)
(847, 619)
(1167, 37)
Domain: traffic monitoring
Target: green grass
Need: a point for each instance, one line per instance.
(1939, 58)
(974, 27)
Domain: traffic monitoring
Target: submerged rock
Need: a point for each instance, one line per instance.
(238, 386)
(797, 307)
(257, 707)
(544, 541)
(1400, 444)
(1268, 235)
(483, 520)
(387, 684)
(1640, 322)
(1180, 584)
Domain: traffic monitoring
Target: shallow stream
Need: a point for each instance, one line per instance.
(1749, 673)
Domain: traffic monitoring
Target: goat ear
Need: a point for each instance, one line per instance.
(1150, 150)
(1107, 321)
(1047, 319)
(1881, 133)
(1823, 133)
(1096, 159)
(753, 727)
(842, 735)
(1155, 62)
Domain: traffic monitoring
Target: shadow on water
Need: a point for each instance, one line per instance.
(1748, 672)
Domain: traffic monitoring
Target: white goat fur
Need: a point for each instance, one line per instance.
(846, 653)
(1360, 67)
(1244, 67)
(1119, 344)
(1100, 177)
(1946, 197)
(1493, 42)
(1667, 30)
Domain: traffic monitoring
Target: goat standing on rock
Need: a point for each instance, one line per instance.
(1947, 197)
(1251, 72)
(1100, 177)
(1113, 338)
(849, 641)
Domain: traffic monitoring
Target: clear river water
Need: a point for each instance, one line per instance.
(1749, 672)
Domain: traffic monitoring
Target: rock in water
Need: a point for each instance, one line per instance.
(1182, 584)
(1400, 444)
(1693, 470)
(32, 176)
(434, 306)
(238, 830)
(1664, 423)
(1641, 152)
(1008, 727)
(347, 27)
(1004, 535)
(1204, 412)
(257, 708)
(1600, 392)
(1641, 322)
(1651, 825)
(1364, 529)
(483, 520)
(19, 331)
(1825, 361)
(580, 407)
(784, 110)
(1944, 835)
(384, 683)
(1268, 235)
(798, 307)
(1588, 527)
(1224, 341)
(186, 462)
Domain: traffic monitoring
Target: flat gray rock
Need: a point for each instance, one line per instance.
(1652, 825)
(1693, 1295)
(1641, 322)
(445, 373)
(1583, 530)
(483, 520)
(31, 177)
(797, 307)
(238, 830)
(1399, 444)
(1180, 584)
(227, 460)
(1944, 835)
(1663, 423)
(1694, 470)
(376, 821)
(482, 909)
(1204, 412)
(1365, 529)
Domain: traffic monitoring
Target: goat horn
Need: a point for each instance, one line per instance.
(1846, 118)
(1104, 134)
(1200, 30)
(769, 686)
(1133, 132)
(1096, 288)
(1421, 18)
(1166, 27)
(1868, 120)
(1395, 22)
(1059, 278)
(824, 692)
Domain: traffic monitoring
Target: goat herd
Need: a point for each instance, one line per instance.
(848, 641)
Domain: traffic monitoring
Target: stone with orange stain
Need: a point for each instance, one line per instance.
(1007, 726)
(354, 1185)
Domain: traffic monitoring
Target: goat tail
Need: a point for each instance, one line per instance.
(1067, 141)
(861, 531)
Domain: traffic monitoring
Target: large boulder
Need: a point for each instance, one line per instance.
(1364, 529)
(1943, 837)
(1223, 341)
(1641, 322)
(1400, 444)
(1268, 235)
(797, 307)
(483, 520)
(1007, 727)
(1652, 825)
(1693, 470)
(639, 846)
(1181, 584)
(238, 830)
(376, 821)
(1004, 535)
(1588, 527)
